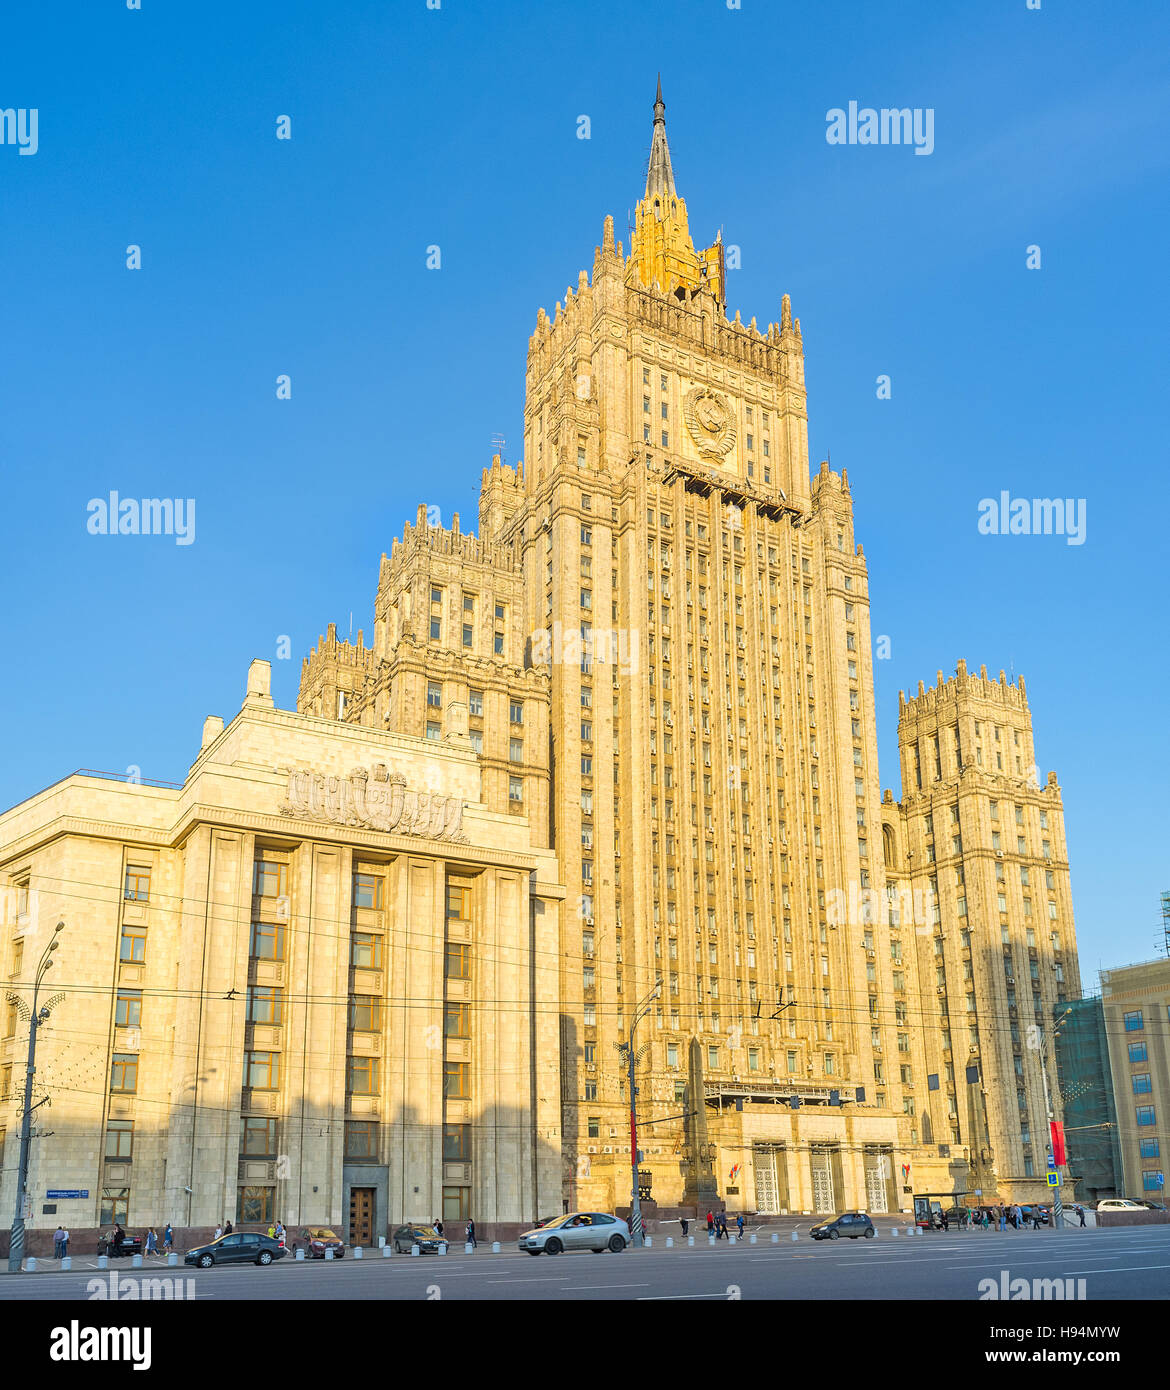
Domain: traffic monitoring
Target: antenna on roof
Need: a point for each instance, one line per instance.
(498, 443)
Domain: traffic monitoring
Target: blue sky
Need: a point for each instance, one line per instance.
(458, 127)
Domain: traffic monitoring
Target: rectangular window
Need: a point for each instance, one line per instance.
(457, 1080)
(1134, 1021)
(516, 711)
(115, 1206)
(516, 750)
(133, 945)
(365, 951)
(458, 962)
(367, 890)
(267, 941)
(271, 879)
(256, 1205)
(124, 1072)
(128, 1009)
(456, 1143)
(119, 1139)
(1145, 1115)
(363, 1076)
(259, 1137)
(137, 883)
(365, 1013)
(456, 1021)
(361, 1140)
(516, 790)
(264, 1004)
(434, 695)
(475, 703)
(262, 1070)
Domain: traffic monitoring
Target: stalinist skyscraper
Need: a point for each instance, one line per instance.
(662, 637)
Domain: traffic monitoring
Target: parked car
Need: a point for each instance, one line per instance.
(1043, 1213)
(428, 1240)
(131, 1245)
(241, 1247)
(316, 1240)
(1119, 1204)
(851, 1223)
(579, 1230)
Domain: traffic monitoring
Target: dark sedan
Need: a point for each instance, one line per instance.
(428, 1240)
(128, 1245)
(240, 1248)
(317, 1239)
(852, 1224)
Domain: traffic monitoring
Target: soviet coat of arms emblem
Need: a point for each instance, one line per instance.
(710, 422)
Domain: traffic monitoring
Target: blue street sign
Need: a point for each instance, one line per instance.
(64, 1195)
(1053, 1179)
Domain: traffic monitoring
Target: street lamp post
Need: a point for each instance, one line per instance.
(637, 1236)
(36, 1018)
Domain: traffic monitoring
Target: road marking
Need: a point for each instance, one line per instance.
(660, 1297)
(580, 1288)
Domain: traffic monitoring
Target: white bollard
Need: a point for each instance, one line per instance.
(387, 1251)
(443, 1248)
(710, 1240)
(300, 1255)
(358, 1252)
(690, 1240)
(732, 1239)
(916, 1229)
(172, 1258)
(135, 1261)
(31, 1264)
(775, 1237)
(495, 1247)
(329, 1252)
(414, 1250)
(381, 1242)
(795, 1235)
(468, 1248)
(670, 1242)
(103, 1262)
(752, 1239)
(66, 1261)
(649, 1242)
(894, 1232)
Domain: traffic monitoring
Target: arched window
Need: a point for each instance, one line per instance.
(888, 849)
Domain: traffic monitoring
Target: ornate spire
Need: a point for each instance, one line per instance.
(660, 177)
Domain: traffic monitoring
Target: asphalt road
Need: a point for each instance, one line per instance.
(1115, 1264)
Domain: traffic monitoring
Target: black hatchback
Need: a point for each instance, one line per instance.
(852, 1224)
(240, 1248)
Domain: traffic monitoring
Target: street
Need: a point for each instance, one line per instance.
(1126, 1263)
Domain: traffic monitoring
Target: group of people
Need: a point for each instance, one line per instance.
(992, 1218)
(717, 1225)
(469, 1231)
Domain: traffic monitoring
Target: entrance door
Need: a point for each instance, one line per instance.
(767, 1198)
(822, 1178)
(875, 1182)
(361, 1216)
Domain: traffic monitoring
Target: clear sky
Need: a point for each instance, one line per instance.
(458, 127)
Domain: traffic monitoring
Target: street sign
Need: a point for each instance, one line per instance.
(1053, 1178)
(66, 1194)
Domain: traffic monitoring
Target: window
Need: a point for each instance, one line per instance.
(1134, 1021)
(133, 947)
(1142, 1084)
(119, 1139)
(367, 890)
(516, 790)
(271, 879)
(365, 951)
(256, 1205)
(456, 1143)
(458, 964)
(434, 695)
(124, 1072)
(264, 1004)
(128, 1009)
(259, 1137)
(434, 732)
(361, 1140)
(1145, 1115)
(115, 1206)
(516, 750)
(475, 703)
(267, 941)
(457, 1080)
(363, 1076)
(456, 1021)
(1149, 1148)
(137, 884)
(262, 1070)
(713, 1057)
(1138, 1052)
(365, 1013)
(458, 903)
(456, 1204)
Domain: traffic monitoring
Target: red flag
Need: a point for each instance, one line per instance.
(1058, 1155)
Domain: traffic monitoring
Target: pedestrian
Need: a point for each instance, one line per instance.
(946, 1221)
(218, 1233)
(986, 1220)
(1002, 1219)
(168, 1239)
(228, 1228)
(151, 1242)
(710, 1223)
(686, 1225)
(723, 1225)
(471, 1233)
(58, 1242)
(438, 1225)
(272, 1231)
(1081, 1214)
(739, 1225)
(119, 1237)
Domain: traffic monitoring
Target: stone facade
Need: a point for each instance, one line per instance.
(1136, 1003)
(311, 983)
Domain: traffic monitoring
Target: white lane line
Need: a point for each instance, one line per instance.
(580, 1288)
(661, 1297)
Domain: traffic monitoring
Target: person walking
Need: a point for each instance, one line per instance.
(168, 1239)
(686, 1225)
(151, 1243)
(470, 1233)
(228, 1228)
(739, 1225)
(722, 1225)
(710, 1223)
(1081, 1214)
(58, 1242)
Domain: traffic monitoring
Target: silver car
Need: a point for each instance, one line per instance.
(580, 1230)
